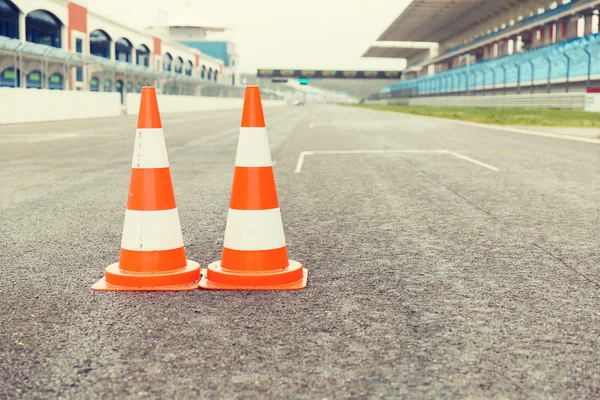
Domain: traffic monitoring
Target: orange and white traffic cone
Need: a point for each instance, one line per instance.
(254, 250)
(152, 252)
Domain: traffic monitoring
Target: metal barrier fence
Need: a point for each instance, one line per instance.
(570, 101)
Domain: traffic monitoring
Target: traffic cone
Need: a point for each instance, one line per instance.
(254, 249)
(152, 253)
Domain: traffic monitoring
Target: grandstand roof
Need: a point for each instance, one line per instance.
(189, 18)
(394, 52)
(436, 20)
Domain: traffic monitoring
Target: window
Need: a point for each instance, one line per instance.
(9, 20)
(79, 45)
(79, 74)
(44, 28)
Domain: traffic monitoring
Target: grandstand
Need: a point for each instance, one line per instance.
(62, 45)
(479, 47)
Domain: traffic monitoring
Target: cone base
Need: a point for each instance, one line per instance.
(117, 280)
(215, 278)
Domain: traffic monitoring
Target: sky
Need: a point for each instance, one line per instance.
(307, 34)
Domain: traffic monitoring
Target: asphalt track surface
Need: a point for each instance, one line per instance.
(430, 275)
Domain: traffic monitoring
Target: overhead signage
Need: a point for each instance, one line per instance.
(338, 74)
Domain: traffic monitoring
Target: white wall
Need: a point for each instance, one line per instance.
(34, 105)
(169, 104)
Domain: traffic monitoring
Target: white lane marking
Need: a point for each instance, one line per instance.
(303, 154)
(254, 230)
(151, 230)
(301, 160)
(469, 159)
(523, 131)
(149, 149)
(52, 137)
(253, 148)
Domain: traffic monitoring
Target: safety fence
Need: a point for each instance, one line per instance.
(570, 101)
(577, 58)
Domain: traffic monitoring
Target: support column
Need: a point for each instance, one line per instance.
(22, 31)
(572, 24)
(588, 25)
(547, 35)
(502, 48)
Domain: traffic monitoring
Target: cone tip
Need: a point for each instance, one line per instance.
(149, 115)
(252, 114)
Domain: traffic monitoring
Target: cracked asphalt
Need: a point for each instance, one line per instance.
(430, 276)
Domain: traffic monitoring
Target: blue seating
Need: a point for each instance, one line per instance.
(550, 60)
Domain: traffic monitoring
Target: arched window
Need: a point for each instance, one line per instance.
(129, 87)
(55, 81)
(209, 74)
(100, 43)
(34, 80)
(203, 72)
(188, 68)
(142, 55)
(107, 85)
(167, 61)
(138, 87)
(10, 78)
(44, 28)
(9, 19)
(94, 84)
(123, 49)
(178, 65)
(216, 75)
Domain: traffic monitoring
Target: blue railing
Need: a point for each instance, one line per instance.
(579, 57)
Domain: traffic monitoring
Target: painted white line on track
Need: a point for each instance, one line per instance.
(303, 154)
(53, 137)
(469, 159)
(301, 160)
(518, 130)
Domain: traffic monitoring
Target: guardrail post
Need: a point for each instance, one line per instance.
(589, 67)
(568, 71)
(548, 85)
(483, 81)
(532, 75)
(504, 73)
(518, 78)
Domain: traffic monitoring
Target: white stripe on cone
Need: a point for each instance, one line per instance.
(254, 230)
(253, 148)
(149, 150)
(151, 230)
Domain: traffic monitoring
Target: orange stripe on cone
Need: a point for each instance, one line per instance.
(150, 189)
(254, 251)
(152, 261)
(254, 260)
(253, 189)
(152, 255)
(149, 116)
(252, 115)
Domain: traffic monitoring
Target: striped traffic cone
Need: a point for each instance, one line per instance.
(254, 249)
(152, 252)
